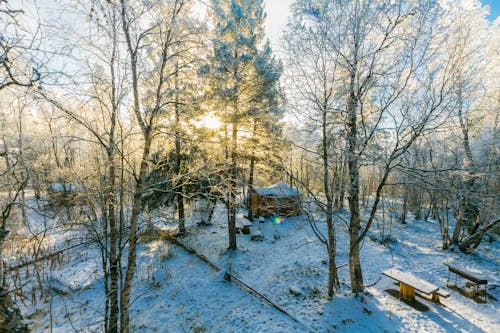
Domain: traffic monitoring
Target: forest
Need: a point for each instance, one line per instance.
(167, 167)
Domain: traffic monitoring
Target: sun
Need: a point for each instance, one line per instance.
(209, 121)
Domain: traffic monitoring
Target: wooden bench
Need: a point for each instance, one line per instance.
(440, 293)
(408, 284)
(468, 276)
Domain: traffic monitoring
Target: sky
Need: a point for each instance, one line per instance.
(494, 8)
(277, 16)
(278, 10)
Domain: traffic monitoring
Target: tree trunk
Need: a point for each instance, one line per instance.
(178, 158)
(250, 188)
(113, 251)
(114, 258)
(139, 180)
(418, 197)
(405, 205)
(355, 265)
(251, 175)
(458, 226)
(181, 214)
(353, 193)
(467, 199)
(333, 279)
(339, 197)
(444, 231)
(3, 235)
(232, 191)
(132, 237)
(104, 263)
(355, 221)
(470, 244)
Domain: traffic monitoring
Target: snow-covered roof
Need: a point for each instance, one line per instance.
(60, 187)
(279, 189)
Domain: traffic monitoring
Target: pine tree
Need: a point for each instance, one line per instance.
(243, 79)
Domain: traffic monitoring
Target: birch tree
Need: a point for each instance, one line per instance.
(166, 26)
(462, 171)
(21, 63)
(315, 79)
(393, 90)
(466, 29)
(20, 68)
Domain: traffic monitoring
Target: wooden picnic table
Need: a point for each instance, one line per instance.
(468, 276)
(408, 283)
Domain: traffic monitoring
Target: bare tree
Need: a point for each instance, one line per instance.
(138, 46)
(315, 80)
(23, 61)
(19, 68)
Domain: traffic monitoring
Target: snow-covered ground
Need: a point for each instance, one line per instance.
(291, 257)
(177, 292)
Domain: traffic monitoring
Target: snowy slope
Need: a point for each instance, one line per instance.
(177, 292)
(291, 256)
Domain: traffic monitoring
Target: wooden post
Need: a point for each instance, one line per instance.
(253, 204)
(406, 291)
(246, 229)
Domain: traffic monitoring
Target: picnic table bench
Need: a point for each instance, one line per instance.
(468, 276)
(408, 283)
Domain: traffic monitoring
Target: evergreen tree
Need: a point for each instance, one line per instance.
(243, 81)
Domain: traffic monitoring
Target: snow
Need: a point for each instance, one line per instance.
(180, 294)
(175, 291)
(195, 298)
(75, 277)
(298, 260)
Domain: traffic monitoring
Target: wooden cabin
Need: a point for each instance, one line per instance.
(278, 199)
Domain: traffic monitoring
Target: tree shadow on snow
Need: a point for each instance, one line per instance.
(346, 313)
(441, 315)
(448, 318)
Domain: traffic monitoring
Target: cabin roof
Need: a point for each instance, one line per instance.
(280, 189)
(65, 187)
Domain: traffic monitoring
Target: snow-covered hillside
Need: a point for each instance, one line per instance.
(177, 292)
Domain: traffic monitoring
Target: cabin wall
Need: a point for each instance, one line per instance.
(272, 205)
